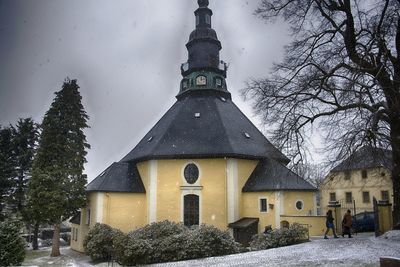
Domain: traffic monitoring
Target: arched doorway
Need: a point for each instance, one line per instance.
(191, 210)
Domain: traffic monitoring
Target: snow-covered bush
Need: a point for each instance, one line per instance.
(158, 242)
(158, 230)
(99, 243)
(130, 251)
(198, 242)
(279, 237)
(209, 241)
(12, 246)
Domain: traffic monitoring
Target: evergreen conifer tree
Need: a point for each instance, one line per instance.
(25, 136)
(7, 168)
(57, 186)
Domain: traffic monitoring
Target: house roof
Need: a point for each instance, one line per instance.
(366, 157)
(243, 223)
(204, 125)
(270, 175)
(76, 219)
(118, 177)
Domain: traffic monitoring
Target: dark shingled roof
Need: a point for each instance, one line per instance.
(76, 219)
(119, 177)
(243, 223)
(219, 130)
(270, 175)
(365, 158)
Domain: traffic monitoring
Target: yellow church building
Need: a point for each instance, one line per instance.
(203, 162)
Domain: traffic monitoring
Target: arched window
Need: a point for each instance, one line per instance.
(208, 19)
(191, 210)
(284, 224)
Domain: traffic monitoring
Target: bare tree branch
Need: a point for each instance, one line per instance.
(340, 75)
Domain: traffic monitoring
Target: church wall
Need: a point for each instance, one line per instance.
(125, 211)
(168, 190)
(278, 203)
(291, 197)
(211, 188)
(245, 168)
(79, 232)
(143, 168)
(214, 198)
(251, 208)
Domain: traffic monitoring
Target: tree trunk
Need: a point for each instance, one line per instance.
(55, 248)
(396, 173)
(35, 245)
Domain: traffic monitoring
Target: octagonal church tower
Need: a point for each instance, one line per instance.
(203, 162)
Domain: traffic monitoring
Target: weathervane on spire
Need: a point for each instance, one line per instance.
(203, 3)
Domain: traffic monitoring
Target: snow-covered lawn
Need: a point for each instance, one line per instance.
(362, 250)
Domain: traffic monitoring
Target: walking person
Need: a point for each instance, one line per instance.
(329, 224)
(347, 223)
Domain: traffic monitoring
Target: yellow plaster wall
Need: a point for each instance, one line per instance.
(214, 196)
(83, 230)
(125, 211)
(245, 168)
(143, 168)
(385, 218)
(315, 224)
(168, 190)
(290, 199)
(212, 180)
(374, 184)
(251, 208)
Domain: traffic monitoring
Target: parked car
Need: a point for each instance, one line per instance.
(364, 222)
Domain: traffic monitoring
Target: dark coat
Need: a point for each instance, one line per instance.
(329, 218)
(347, 220)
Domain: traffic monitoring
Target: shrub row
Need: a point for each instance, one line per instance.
(279, 237)
(158, 242)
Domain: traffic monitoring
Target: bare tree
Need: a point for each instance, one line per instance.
(312, 173)
(340, 75)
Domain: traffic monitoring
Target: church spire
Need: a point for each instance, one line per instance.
(204, 69)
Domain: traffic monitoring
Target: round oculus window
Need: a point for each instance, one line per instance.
(299, 205)
(191, 173)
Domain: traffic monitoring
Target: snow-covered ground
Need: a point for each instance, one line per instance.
(362, 250)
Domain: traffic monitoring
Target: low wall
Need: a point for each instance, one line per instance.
(316, 224)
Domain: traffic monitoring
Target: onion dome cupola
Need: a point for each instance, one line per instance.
(204, 70)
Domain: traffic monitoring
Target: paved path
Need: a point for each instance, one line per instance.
(362, 250)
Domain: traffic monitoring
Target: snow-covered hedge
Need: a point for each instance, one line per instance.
(279, 237)
(12, 246)
(158, 230)
(99, 243)
(165, 241)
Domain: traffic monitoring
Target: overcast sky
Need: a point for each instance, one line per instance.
(126, 56)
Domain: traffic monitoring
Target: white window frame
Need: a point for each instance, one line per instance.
(369, 197)
(302, 204)
(196, 192)
(87, 216)
(259, 204)
(351, 196)
(330, 199)
(184, 182)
